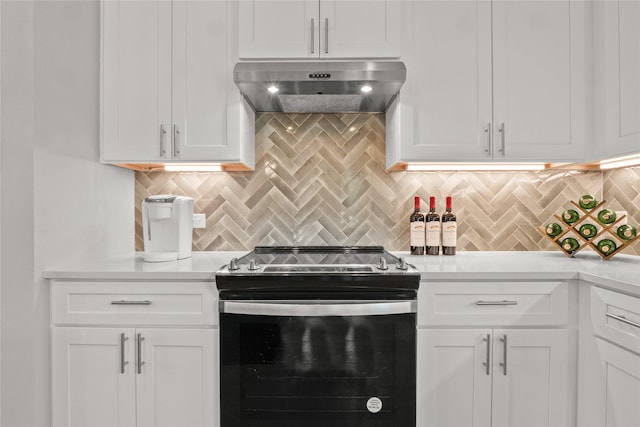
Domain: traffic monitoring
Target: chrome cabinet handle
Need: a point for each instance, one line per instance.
(123, 362)
(176, 141)
(313, 36)
(623, 320)
(130, 302)
(503, 302)
(504, 354)
(139, 351)
(486, 364)
(326, 35)
(487, 130)
(163, 139)
(502, 139)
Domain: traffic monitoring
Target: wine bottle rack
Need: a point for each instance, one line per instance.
(588, 216)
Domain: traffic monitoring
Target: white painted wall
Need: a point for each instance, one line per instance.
(59, 205)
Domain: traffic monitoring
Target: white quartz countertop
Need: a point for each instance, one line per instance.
(622, 271)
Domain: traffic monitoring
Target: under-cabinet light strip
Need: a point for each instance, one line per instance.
(212, 167)
(475, 166)
(621, 162)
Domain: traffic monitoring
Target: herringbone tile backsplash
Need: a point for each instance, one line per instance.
(320, 179)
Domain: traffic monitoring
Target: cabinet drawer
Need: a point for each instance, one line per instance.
(495, 303)
(616, 317)
(134, 303)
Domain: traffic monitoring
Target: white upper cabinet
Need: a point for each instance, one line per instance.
(136, 81)
(616, 77)
(319, 29)
(491, 81)
(278, 29)
(539, 84)
(167, 90)
(445, 104)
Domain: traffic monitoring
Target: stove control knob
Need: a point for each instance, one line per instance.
(402, 264)
(233, 264)
(253, 265)
(382, 265)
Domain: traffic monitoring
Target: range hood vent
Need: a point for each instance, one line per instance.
(320, 87)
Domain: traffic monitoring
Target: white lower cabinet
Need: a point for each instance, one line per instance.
(622, 385)
(90, 385)
(134, 353)
(134, 377)
(493, 377)
(609, 387)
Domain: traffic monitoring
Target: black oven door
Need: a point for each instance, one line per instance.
(318, 364)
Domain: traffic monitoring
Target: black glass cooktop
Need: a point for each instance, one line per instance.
(317, 268)
(314, 255)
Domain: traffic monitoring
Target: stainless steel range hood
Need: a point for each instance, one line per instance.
(320, 87)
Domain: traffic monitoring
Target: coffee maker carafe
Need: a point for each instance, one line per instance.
(167, 223)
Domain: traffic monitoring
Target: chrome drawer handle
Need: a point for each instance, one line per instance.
(127, 302)
(503, 302)
(623, 320)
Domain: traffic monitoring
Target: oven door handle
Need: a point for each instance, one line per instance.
(318, 308)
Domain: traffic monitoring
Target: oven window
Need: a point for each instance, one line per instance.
(317, 371)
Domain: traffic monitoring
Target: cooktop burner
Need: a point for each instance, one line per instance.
(317, 268)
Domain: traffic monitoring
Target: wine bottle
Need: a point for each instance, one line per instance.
(570, 216)
(553, 229)
(606, 246)
(587, 202)
(449, 230)
(607, 216)
(588, 231)
(626, 232)
(570, 244)
(417, 229)
(432, 220)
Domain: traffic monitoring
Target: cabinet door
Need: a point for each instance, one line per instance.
(618, 92)
(454, 381)
(444, 111)
(278, 29)
(136, 81)
(539, 80)
(93, 379)
(360, 29)
(176, 383)
(622, 378)
(200, 81)
(531, 378)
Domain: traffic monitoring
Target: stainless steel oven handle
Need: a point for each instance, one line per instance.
(318, 308)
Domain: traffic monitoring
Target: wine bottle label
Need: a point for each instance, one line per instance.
(449, 234)
(433, 233)
(417, 233)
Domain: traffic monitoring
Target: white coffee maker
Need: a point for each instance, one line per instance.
(167, 224)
